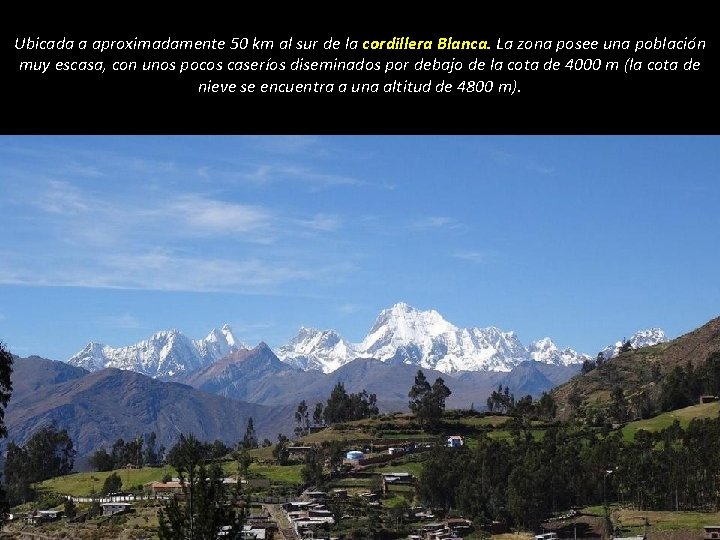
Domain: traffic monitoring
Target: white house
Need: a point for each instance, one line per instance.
(455, 441)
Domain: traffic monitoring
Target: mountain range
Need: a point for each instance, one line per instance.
(400, 335)
(100, 407)
(166, 355)
(172, 384)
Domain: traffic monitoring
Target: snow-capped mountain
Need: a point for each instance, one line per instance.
(642, 338)
(322, 350)
(544, 350)
(403, 334)
(166, 354)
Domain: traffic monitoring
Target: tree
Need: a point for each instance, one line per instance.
(312, 471)
(546, 407)
(334, 453)
(50, 453)
(112, 484)
(6, 363)
(280, 452)
(203, 510)
(302, 418)
(318, 414)
(338, 405)
(419, 396)
(440, 393)
(250, 439)
(588, 365)
(70, 509)
(618, 405)
(243, 459)
(152, 453)
(17, 475)
(101, 461)
(428, 402)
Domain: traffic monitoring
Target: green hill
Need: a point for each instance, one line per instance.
(684, 416)
(639, 373)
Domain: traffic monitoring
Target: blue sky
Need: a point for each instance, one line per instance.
(583, 239)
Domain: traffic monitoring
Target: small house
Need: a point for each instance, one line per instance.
(712, 532)
(455, 441)
(708, 399)
(43, 516)
(112, 508)
(166, 488)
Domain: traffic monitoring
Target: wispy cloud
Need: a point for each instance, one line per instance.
(348, 309)
(436, 222)
(528, 163)
(476, 257)
(109, 220)
(167, 271)
(265, 174)
(321, 222)
(290, 144)
(215, 216)
(63, 198)
(124, 321)
(539, 168)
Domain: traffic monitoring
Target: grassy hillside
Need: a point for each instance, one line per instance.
(83, 484)
(657, 423)
(639, 373)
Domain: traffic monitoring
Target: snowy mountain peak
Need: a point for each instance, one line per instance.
(641, 338)
(165, 354)
(312, 349)
(545, 350)
(404, 334)
(402, 325)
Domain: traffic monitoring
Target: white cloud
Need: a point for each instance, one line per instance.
(266, 174)
(167, 271)
(218, 216)
(321, 222)
(348, 309)
(290, 144)
(125, 321)
(471, 256)
(63, 198)
(437, 222)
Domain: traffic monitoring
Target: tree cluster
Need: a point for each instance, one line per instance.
(208, 451)
(140, 451)
(544, 408)
(48, 453)
(428, 402)
(344, 407)
(523, 480)
(500, 400)
(339, 407)
(206, 506)
(328, 455)
(684, 386)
